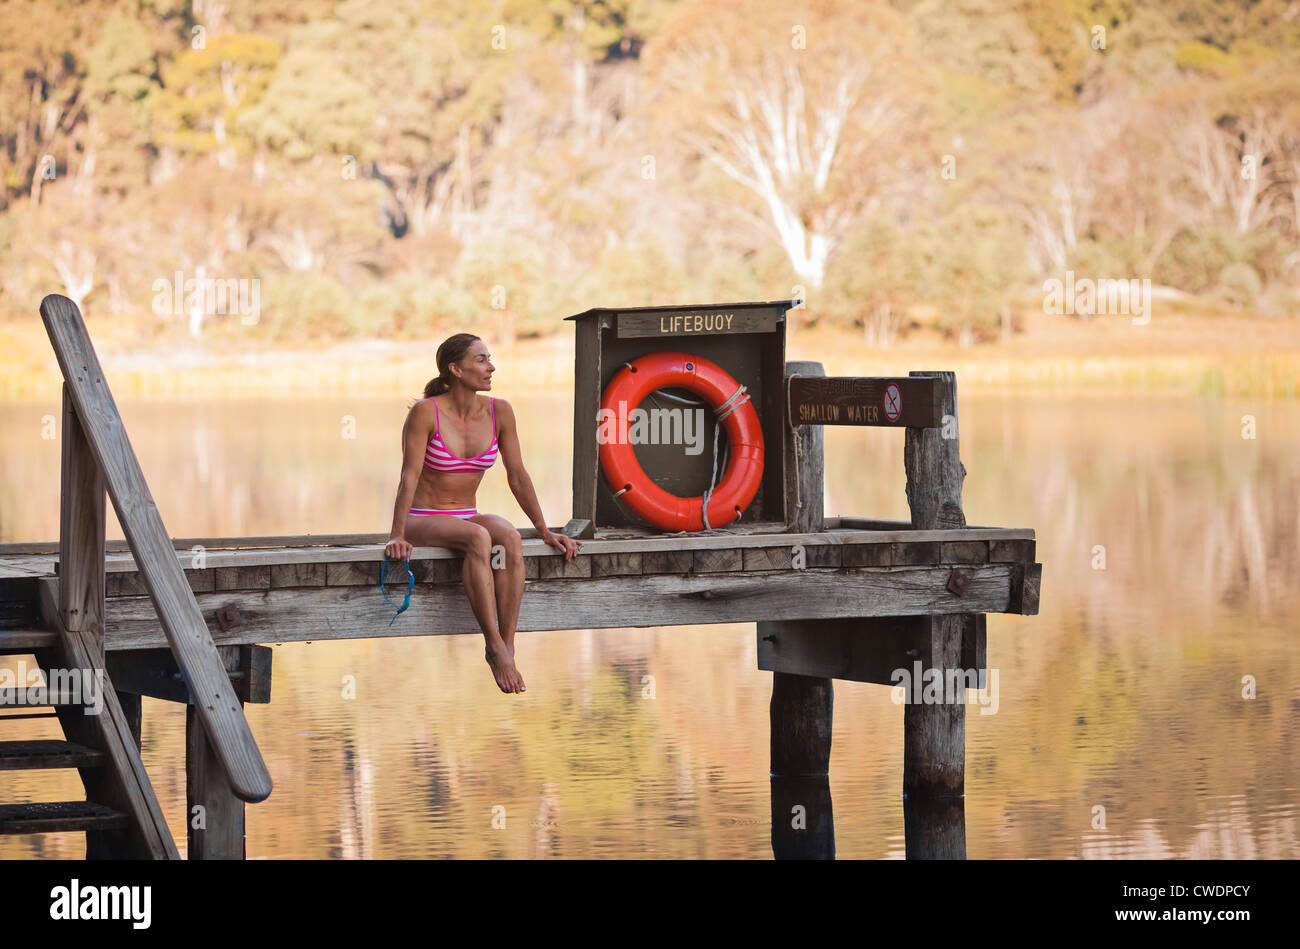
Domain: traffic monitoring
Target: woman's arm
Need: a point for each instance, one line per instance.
(415, 436)
(521, 485)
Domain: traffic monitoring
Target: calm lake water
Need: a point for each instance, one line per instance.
(1124, 693)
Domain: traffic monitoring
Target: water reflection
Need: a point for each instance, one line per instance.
(935, 828)
(1121, 730)
(803, 820)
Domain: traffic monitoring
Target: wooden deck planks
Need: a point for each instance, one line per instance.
(269, 568)
(313, 614)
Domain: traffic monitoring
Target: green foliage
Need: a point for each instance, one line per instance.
(1196, 258)
(966, 261)
(121, 64)
(206, 90)
(311, 106)
(1208, 59)
(985, 40)
(1240, 285)
(598, 26)
(1104, 257)
(307, 306)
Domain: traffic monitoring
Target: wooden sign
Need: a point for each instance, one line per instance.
(705, 321)
(850, 400)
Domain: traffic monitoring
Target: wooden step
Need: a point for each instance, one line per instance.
(20, 642)
(56, 816)
(30, 755)
(23, 700)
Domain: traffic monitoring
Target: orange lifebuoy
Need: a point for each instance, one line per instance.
(729, 400)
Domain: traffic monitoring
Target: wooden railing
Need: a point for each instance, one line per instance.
(97, 455)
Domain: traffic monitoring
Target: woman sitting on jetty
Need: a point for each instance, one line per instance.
(435, 497)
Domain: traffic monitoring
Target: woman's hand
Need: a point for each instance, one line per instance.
(398, 548)
(562, 542)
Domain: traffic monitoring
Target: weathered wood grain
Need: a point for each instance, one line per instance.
(934, 736)
(1009, 542)
(153, 672)
(916, 554)
(615, 565)
(586, 402)
(123, 783)
(297, 575)
(550, 568)
(243, 578)
(185, 629)
(800, 715)
(805, 461)
(759, 559)
(867, 555)
(716, 561)
(81, 529)
(1011, 551)
(214, 814)
(863, 649)
(964, 551)
(322, 613)
(665, 561)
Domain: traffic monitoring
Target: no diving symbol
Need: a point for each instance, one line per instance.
(893, 402)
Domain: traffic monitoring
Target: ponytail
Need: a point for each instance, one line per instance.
(452, 350)
(437, 385)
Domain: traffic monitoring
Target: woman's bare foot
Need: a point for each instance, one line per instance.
(503, 670)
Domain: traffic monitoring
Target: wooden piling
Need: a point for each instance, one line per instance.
(934, 828)
(801, 707)
(803, 821)
(934, 735)
(214, 815)
(805, 458)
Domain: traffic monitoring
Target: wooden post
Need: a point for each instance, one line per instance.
(220, 835)
(801, 708)
(934, 735)
(805, 464)
(800, 714)
(81, 532)
(586, 402)
(209, 802)
(803, 821)
(934, 828)
(81, 594)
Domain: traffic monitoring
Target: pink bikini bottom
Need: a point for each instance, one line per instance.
(463, 512)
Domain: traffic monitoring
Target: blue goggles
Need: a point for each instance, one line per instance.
(410, 584)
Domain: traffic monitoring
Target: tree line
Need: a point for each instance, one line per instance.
(395, 169)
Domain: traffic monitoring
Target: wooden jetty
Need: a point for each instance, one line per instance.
(189, 619)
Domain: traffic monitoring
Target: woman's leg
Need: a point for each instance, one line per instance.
(442, 530)
(508, 577)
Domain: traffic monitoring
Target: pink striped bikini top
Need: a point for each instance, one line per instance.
(437, 457)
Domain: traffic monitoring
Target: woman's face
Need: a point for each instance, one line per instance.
(476, 366)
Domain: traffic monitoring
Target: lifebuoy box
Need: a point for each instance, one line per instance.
(672, 439)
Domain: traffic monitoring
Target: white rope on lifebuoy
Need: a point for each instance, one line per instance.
(729, 406)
